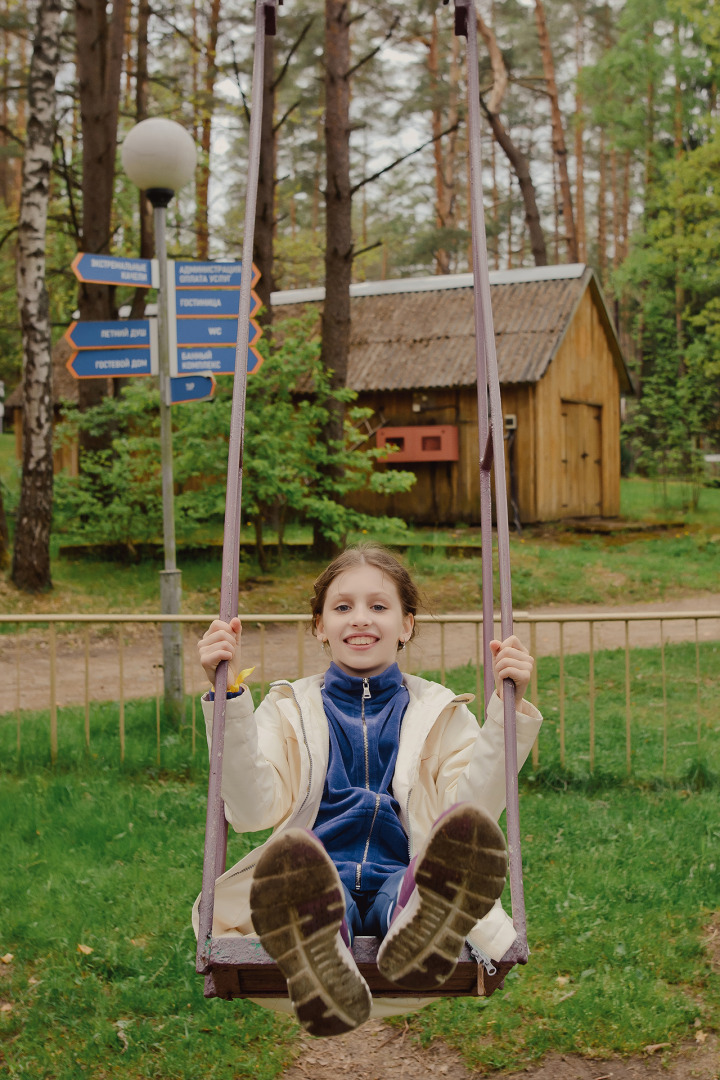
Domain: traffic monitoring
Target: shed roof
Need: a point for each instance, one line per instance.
(420, 332)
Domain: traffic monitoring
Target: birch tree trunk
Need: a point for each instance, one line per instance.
(558, 135)
(31, 553)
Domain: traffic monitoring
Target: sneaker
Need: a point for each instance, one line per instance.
(298, 908)
(455, 880)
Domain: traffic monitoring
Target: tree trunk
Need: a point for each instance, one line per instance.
(445, 202)
(4, 535)
(338, 222)
(263, 248)
(31, 554)
(558, 135)
(4, 116)
(147, 237)
(515, 156)
(602, 210)
(580, 150)
(100, 44)
(202, 186)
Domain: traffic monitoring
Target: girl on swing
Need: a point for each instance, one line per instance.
(383, 791)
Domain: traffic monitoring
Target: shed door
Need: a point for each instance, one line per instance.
(581, 465)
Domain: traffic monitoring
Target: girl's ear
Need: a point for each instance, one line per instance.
(408, 624)
(319, 632)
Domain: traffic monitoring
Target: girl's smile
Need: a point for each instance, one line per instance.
(363, 621)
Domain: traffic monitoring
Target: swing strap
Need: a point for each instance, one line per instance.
(492, 460)
(215, 824)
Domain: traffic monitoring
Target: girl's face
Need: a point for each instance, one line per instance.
(362, 620)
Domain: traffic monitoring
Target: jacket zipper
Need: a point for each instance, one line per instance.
(358, 869)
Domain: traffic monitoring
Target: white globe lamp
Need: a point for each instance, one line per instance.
(159, 156)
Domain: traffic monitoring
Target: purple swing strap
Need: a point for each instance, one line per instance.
(215, 824)
(492, 458)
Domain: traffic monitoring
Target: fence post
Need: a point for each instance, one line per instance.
(53, 696)
(628, 737)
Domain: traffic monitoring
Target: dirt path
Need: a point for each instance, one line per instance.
(286, 652)
(379, 1052)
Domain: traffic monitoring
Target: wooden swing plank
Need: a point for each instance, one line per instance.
(240, 967)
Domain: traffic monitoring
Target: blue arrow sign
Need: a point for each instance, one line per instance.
(211, 331)
(96, 363)
(112, 270)
(108, 335)
(217, 358)
(191, 388)
(207, 275)
(224, 302)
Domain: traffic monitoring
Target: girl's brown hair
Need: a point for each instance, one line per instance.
(368, 555)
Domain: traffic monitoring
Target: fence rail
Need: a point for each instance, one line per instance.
(43, 670)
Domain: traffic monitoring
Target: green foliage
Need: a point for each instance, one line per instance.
(117, 497)
(285, 464)
(673, 274)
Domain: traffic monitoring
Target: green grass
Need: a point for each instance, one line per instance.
(558, 567)
(619, 887)
(653, 500)
(621, 878)
(9, 465)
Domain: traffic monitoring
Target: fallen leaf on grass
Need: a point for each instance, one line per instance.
(85, 949)
(7, 958)
(652, 1048)
(5, 1007)
(562, 980)
(700, 1036)
(121, 1025)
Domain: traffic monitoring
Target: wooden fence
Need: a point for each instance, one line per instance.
(44, 670)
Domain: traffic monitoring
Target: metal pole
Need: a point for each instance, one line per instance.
(170, 577)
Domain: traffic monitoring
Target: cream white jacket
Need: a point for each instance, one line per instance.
(276, 757)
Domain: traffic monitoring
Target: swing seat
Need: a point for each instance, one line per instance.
(240, 967)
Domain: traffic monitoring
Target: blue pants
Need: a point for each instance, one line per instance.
(368, 913)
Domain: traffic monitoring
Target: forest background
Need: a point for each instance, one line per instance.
(601, 145)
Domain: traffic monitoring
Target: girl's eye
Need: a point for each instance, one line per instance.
(378, 607)
(342, 607)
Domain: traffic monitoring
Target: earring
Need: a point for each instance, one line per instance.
(403, 644)
(323, 643)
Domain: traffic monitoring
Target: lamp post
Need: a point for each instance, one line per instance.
(159, 156)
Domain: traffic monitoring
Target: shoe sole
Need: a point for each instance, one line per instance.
(297, 906)
(458, 878)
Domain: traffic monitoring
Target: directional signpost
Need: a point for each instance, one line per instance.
(118, 348)
(191, 388)
(113, 270)
(203, 305)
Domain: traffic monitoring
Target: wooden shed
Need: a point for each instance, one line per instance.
(412, 360)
